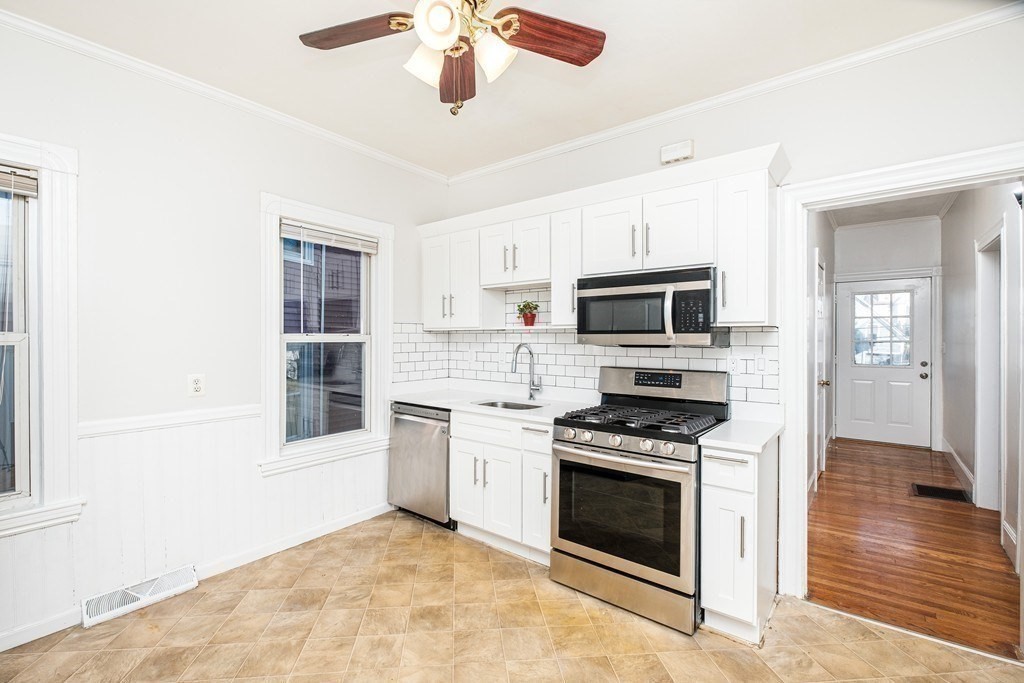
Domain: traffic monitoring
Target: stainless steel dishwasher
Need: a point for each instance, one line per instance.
(418, 461)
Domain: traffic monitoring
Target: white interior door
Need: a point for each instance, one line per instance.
(821, 363)
(883, 361)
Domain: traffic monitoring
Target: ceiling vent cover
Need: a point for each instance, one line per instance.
(100, 608)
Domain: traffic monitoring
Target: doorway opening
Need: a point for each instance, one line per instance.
(914, 392)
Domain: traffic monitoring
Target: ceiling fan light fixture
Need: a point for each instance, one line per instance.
(437, 23)
(426, 65)
(494, 55)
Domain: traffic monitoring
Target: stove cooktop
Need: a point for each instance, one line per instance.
(662, 421)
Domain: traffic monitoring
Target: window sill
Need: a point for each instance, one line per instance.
(321, 455)
(40, 517)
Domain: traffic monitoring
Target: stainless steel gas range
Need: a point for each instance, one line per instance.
(625, 491)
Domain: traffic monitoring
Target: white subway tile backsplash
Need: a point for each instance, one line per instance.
(562, 362)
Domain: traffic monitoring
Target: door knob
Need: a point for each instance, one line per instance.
(924, 364)
(824, 383)
(924, 375)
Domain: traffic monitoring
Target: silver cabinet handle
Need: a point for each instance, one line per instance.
(708, 456)
(545, 487)
(670, 294)
(476, 479)
(504, 258)
(632, 241)
(647, 238)
(725, 292)
(536, 430)
(451, 305)
(515, 257)
(444, 311)
(743, 537)
(574, 297)
(485, 472)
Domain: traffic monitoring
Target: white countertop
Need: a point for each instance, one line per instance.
(465, 401)
(745, 436)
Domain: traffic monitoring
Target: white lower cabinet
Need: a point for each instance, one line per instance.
(739, 539)
(537, 501)
(503, 493)
(467, 494)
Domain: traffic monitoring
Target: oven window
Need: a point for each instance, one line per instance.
(623, 314)
(631, 516)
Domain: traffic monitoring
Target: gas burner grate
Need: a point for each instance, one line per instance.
(666, 421)
(675, 423)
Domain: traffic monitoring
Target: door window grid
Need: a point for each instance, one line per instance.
(882, 329)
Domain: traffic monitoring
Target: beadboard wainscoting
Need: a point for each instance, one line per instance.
(161, 495)
(561, 362)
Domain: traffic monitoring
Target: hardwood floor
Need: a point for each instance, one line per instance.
(931, 566)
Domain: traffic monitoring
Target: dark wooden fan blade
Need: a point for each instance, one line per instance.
(458, 77)
(552, 37)
(358, 31)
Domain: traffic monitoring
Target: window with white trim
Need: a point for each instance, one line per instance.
(16, 186)
(325, 336)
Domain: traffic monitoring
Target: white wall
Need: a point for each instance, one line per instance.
(891, 246)
(973, 214)
(821, 237)
(169, 284)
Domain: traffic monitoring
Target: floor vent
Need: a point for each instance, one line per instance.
(940, 492)
(100, 608)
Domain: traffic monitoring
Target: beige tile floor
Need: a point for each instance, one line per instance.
(394, 599)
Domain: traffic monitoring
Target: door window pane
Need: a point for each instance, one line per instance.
(882, 329)
(324, 389)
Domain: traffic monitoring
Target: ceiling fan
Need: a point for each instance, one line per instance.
(454, 33)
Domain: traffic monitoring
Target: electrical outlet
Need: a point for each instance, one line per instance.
(734, 364)
(196, 385)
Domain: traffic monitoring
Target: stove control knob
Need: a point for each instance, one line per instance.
(587, 436)
(569, 433)
(646, 445)
(615, 440)
(668, 448)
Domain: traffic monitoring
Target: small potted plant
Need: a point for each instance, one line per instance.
(528, 312)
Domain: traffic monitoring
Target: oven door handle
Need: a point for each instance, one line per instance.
(684, 469)
(670, 294)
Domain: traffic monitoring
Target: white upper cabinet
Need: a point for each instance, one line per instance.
(452, 295)
(679, 227)
(746, 246)
(436, 282)
(516, 252)
(464, 299)
(611, 236)
(566, 266)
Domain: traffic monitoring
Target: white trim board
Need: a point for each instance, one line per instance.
(185, 418)
(795, 202)
(882, 224)
(26, 634)
(901, 274)
(963, 475)
(916, 41)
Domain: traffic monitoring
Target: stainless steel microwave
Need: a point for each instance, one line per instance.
(667, 308)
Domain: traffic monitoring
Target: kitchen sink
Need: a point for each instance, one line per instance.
(507, 405)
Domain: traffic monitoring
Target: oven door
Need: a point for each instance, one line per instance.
(634, 516)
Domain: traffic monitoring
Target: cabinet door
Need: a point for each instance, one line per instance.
(464, 298)
(531, 249)
(496, 254)
(502, 479)
(727, 559)
(679, 227)
(537, 501)
(436, 283)
(466, 461)
(743, 249)
(565, 265)
(611, 236)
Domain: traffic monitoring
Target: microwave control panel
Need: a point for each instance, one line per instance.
(692, 312)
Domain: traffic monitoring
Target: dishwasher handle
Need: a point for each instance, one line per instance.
(434, 414)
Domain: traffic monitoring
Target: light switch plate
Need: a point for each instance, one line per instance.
(760, 364)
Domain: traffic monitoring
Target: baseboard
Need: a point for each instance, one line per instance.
(506, 544)
(959, 469)
(1009, 543)
(812, 489)
(30, 632)
(225, 564)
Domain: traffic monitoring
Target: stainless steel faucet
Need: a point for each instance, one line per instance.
(534, 379)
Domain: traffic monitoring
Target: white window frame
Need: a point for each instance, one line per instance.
(51, 306)
(377, 304)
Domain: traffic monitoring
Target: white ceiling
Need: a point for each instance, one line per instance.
(900, 209)
(672, 53)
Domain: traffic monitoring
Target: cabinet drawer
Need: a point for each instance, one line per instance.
(727, 469)
(486, 430)
(537, 439)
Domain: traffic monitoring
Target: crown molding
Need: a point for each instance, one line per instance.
(948, 205)
(104, 54)
(913, 42)
(889, 223)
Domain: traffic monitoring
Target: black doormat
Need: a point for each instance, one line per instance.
(940, 492)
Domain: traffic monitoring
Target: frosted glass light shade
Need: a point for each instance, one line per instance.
(494, 55)
(426, 65)
(437, 23)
